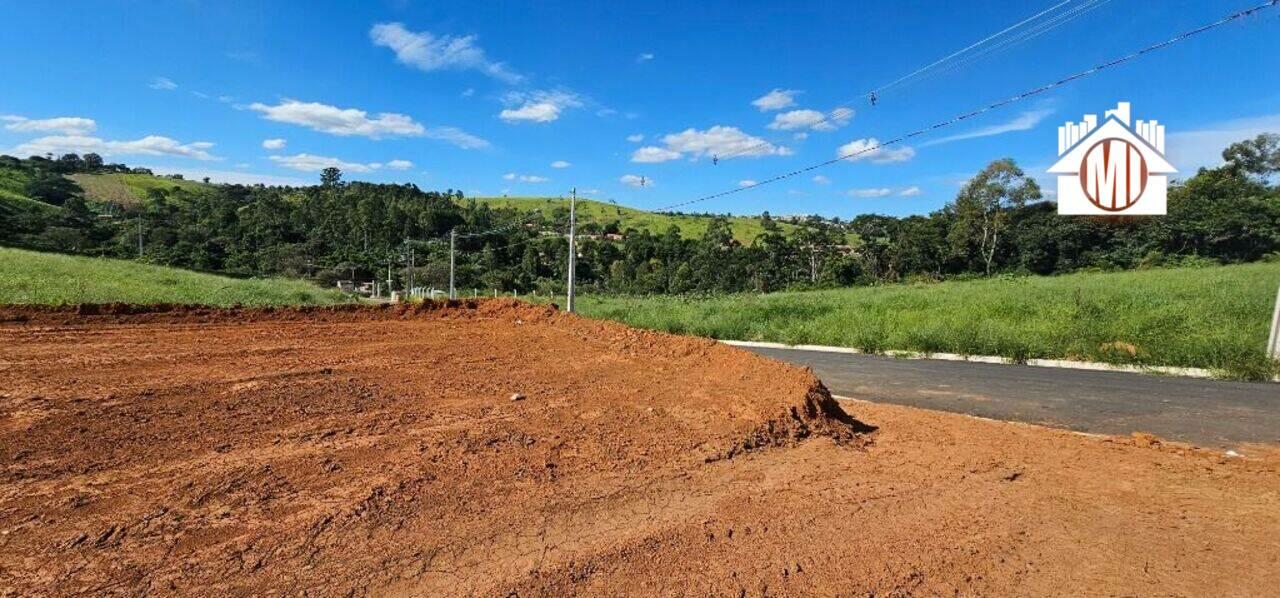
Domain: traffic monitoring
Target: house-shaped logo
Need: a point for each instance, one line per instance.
(1112, 169)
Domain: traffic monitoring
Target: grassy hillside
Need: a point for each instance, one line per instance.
(1216, 317)
(128, 189)
(745, 229)
(28, 277)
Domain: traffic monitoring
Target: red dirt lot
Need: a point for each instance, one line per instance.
(347, 451)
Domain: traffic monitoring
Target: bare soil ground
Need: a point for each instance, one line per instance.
(339, 451)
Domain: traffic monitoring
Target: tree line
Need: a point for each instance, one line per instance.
(999, 222)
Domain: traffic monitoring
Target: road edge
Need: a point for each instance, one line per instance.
(1043, 363)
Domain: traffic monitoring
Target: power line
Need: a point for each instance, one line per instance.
(1016, 98)
(919, 74)
(984, 40)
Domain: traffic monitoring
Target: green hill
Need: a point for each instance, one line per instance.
(129, 189)
(30, 277)
(692, 226)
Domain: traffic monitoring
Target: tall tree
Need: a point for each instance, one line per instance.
(982, 210)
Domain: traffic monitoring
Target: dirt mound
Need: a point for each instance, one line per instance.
(352, 451)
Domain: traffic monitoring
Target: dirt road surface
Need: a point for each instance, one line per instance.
(382, 452)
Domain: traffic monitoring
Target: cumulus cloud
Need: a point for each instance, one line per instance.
(538, 106)
(652, 154)
(635, 138)
(163, 84)
(1025, 121)
(430, 52)
(911, 191)
(747, 183)
(339, 121)
(274, 144)
(524, 178)
(644, 57)
(821, 180)
(635, 180)
(66, 125)
(871, 193)
(399, 165)
(811, 119)
(776, 100)
(312, 163)
(870, 149)
(722, 141)
(560, 164)
(151, 145)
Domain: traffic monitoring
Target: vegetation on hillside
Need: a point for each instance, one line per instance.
(33, 278)
(597, 217)
(1214, 317)
(998, 223)
(130, 189)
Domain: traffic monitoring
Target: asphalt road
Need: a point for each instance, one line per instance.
(1208, 413)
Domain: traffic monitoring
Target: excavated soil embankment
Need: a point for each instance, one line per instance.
(495, 448)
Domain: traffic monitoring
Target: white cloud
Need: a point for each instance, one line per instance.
(1025, 121)
(151, 145)
(312, 163)
(634, 180)
(339, 121)
(468, 92)
(456, 136)
(230, 176)
(163, 84)
(430, 52)
(725, 142)
(871, 193)
(635, 138)
(811, 119)
(747, 183)
(274, 144)
(399, 165)
(538, 106)
(870, 149)
(226, 99)
(560, 164)
(652, 154)
(911, 191)
(776, 100)
(1190, 150)
(66, 125)
(644, 57)
(821, 180)
(525, 178)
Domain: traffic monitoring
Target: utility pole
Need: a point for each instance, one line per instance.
(573, 245)
(453, 237)
(139, 236)
(1273, 345)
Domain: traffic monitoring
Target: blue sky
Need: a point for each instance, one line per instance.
(532, 98)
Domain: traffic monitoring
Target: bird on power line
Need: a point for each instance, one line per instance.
(872, 97)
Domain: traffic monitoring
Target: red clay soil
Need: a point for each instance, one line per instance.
(379, 451)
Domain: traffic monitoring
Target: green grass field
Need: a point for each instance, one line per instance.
(745, 229)
(1214, 317)
(29, 277)
(128, 189)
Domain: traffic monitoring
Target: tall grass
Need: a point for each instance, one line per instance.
(34, 278)
(1213, 317)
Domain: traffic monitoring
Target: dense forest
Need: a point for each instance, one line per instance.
(999, 222)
